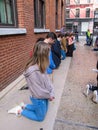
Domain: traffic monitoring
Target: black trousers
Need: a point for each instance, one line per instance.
(70, 49)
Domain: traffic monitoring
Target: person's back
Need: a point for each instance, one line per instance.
(88, 37)
(50, 38)
(70, 47)
(63, 52)
(63, 44)
(96, 41)
(76, 36)
(63, 29)
(96, 44)
(56, 53)
(88, 33)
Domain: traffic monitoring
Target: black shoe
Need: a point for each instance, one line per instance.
(24, 87)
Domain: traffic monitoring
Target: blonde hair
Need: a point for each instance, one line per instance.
(40, 56)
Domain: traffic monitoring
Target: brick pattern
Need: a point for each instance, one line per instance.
(15, 49)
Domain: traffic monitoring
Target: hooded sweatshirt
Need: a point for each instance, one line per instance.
(39, 84)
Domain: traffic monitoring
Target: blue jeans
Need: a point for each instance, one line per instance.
(88, 41)
(37, 110)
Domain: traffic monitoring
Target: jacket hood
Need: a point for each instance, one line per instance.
(30, 70)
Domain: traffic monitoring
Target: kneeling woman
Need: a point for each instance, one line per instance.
(39, 84)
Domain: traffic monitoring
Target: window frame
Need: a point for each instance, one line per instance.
(68, 14)
(88, 1)
(67, 2)
(13, 15)
(78, 1)
(39, 16)
(56, 14)
(87, 13)
(77, 13)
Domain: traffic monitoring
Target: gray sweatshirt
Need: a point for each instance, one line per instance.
(39, 84)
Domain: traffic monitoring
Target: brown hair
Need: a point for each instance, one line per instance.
(40, 56)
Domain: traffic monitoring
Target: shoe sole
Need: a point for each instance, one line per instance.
(94, 99)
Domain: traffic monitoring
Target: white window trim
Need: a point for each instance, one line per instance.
(12, 31)
(57, 30)
(41, 30)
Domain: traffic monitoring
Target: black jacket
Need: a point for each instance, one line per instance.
(56, 53)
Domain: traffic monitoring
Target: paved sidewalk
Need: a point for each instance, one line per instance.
(70, 110)
(76, 112)
(12, 96)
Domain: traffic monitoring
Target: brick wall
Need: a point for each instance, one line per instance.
(15, 49)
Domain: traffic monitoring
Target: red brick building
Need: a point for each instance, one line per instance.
(21, 23)
(80, 14)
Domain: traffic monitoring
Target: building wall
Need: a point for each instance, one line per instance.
(82, 6)
(15, 49)
(81, 22)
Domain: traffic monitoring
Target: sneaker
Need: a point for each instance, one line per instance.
(16, 110)
(22, 105)
(95, 96)
(87, 91)
(95, 70)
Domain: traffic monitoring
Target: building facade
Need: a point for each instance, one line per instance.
(80, 15)
(21, 23)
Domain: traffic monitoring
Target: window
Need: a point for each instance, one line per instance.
(8, 13)
(77, 1)
(56, 20)
(67, 1)
(88, 12)
(67, 13)
(77, 13)
(96, 10)
(88, 1)
(39, 13)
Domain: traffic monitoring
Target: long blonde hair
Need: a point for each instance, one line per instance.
(40, 56)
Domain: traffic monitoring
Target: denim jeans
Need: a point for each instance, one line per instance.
(37, 110)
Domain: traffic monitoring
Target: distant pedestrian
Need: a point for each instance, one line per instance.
(96, 44)
(76, 36)
(40, 86)
(63, 29)
(88, 37)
